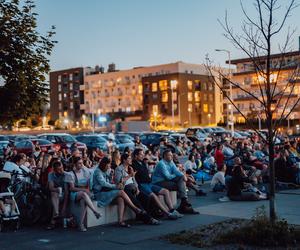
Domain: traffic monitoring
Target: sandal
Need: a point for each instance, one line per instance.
(97, 215)
(124, 224)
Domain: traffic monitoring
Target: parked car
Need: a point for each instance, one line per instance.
(28, 146)
(62, 141)
(93, 141)
(4, 138)
(195, 133)
(152, 140)
(18, 138)
(124, 141)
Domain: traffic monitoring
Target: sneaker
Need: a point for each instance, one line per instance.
(187, 210)
(82, 228)
(179, 215)
(224, 199)
(172, 216)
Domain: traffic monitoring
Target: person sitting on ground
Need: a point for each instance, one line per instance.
(168, 176)
(105, 192)
(179, 148)
(115, 159)
(218, 181)
(150, 190)
(56, 184)
(78, 182)
(240, 182)
(190, 164)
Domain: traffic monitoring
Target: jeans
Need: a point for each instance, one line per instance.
(176, 184)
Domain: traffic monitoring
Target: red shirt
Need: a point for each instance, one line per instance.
(219, 157)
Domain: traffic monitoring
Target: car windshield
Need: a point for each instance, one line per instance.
(67, 138)
(123, 139)
(43, 142)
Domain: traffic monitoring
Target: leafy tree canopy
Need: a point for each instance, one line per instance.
(23, 61)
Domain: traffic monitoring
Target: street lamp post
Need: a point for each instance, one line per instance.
(230, 88)
(173, 82)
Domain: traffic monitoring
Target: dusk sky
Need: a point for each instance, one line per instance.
(140, 33)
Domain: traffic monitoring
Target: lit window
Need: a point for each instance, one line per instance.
(71, 105)
(164, 96)
(71, 86)
(155, 109)
(173, 84)
(71, 77)
(190, 85)
(59, 78)
(197, 96)
(154, 87)
(163, 85)
(205, 108)
(140, 89)
(65, 95)
(190, 96)
(59, 97)
(59, 88)
(210, 86)
(190, 107)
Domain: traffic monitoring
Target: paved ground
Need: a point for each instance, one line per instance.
(147, 237)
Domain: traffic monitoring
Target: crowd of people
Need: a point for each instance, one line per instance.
(136, 178)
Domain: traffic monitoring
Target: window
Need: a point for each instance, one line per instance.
(205, 108)
(71, 86)
(59, 97)
(164, 96)
(173, 84)
(59, 78)
(163, 85)
(154, 87)
(197, 96)
(197, 107)
(204, 97)
(140, 89)
(71, 77)
(60, 106)
(71, 105)
(155, 109)
(190, 96)
(210, 86)
(204, 85)
(210, 97)
(190, 107)
(65, 95)
(59, 88)
(154, 96)
(190, 85)
(211, 109)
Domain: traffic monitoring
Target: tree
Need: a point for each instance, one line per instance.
(257, 42)
(23, 61)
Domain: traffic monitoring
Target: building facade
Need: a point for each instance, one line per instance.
(246, 77)
(181, 99)
(65, 94)
(122, 94)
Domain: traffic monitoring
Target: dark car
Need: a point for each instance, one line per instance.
(93, 141)
(28, 146)
(3, 146)
(19, 138)
(62, 141)
(124, 141)
(152, 140)
(4, 138)
(195, 134)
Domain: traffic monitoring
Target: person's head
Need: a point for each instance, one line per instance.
(126, 159)
(19, 159)
(78, 163)
(137, 139)
(58, 167)
(219, 146)
(116, 156)
(237, 171)
(192, 157)
(104, 164)
(138, 154)
(168, 155)
(237, 161)
(76, 152)
(127, 150)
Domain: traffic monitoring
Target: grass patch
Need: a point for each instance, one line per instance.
(258, 232)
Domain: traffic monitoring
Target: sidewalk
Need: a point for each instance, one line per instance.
(147, 237)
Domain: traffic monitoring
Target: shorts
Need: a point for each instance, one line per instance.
(148, 188)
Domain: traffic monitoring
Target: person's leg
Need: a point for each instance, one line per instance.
(121, 209)
(2, 208)
(79, 197)
(132, 196)
(128, 202)
(55, 203)
(157, 201)
(166, 194)
(90, 204)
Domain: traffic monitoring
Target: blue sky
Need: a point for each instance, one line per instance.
(141, 32)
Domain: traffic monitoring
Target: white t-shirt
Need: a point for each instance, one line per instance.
(218, 177)
(189, 165)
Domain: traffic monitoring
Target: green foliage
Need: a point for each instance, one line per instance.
(261, 232)
(23, 61)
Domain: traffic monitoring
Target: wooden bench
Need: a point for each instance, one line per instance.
(109, 214)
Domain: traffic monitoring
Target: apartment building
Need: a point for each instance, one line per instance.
(65, 95)
(246, 76)
(121, 94)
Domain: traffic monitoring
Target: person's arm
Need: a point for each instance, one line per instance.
(175, 170)
(103, 183)
(52, 188)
